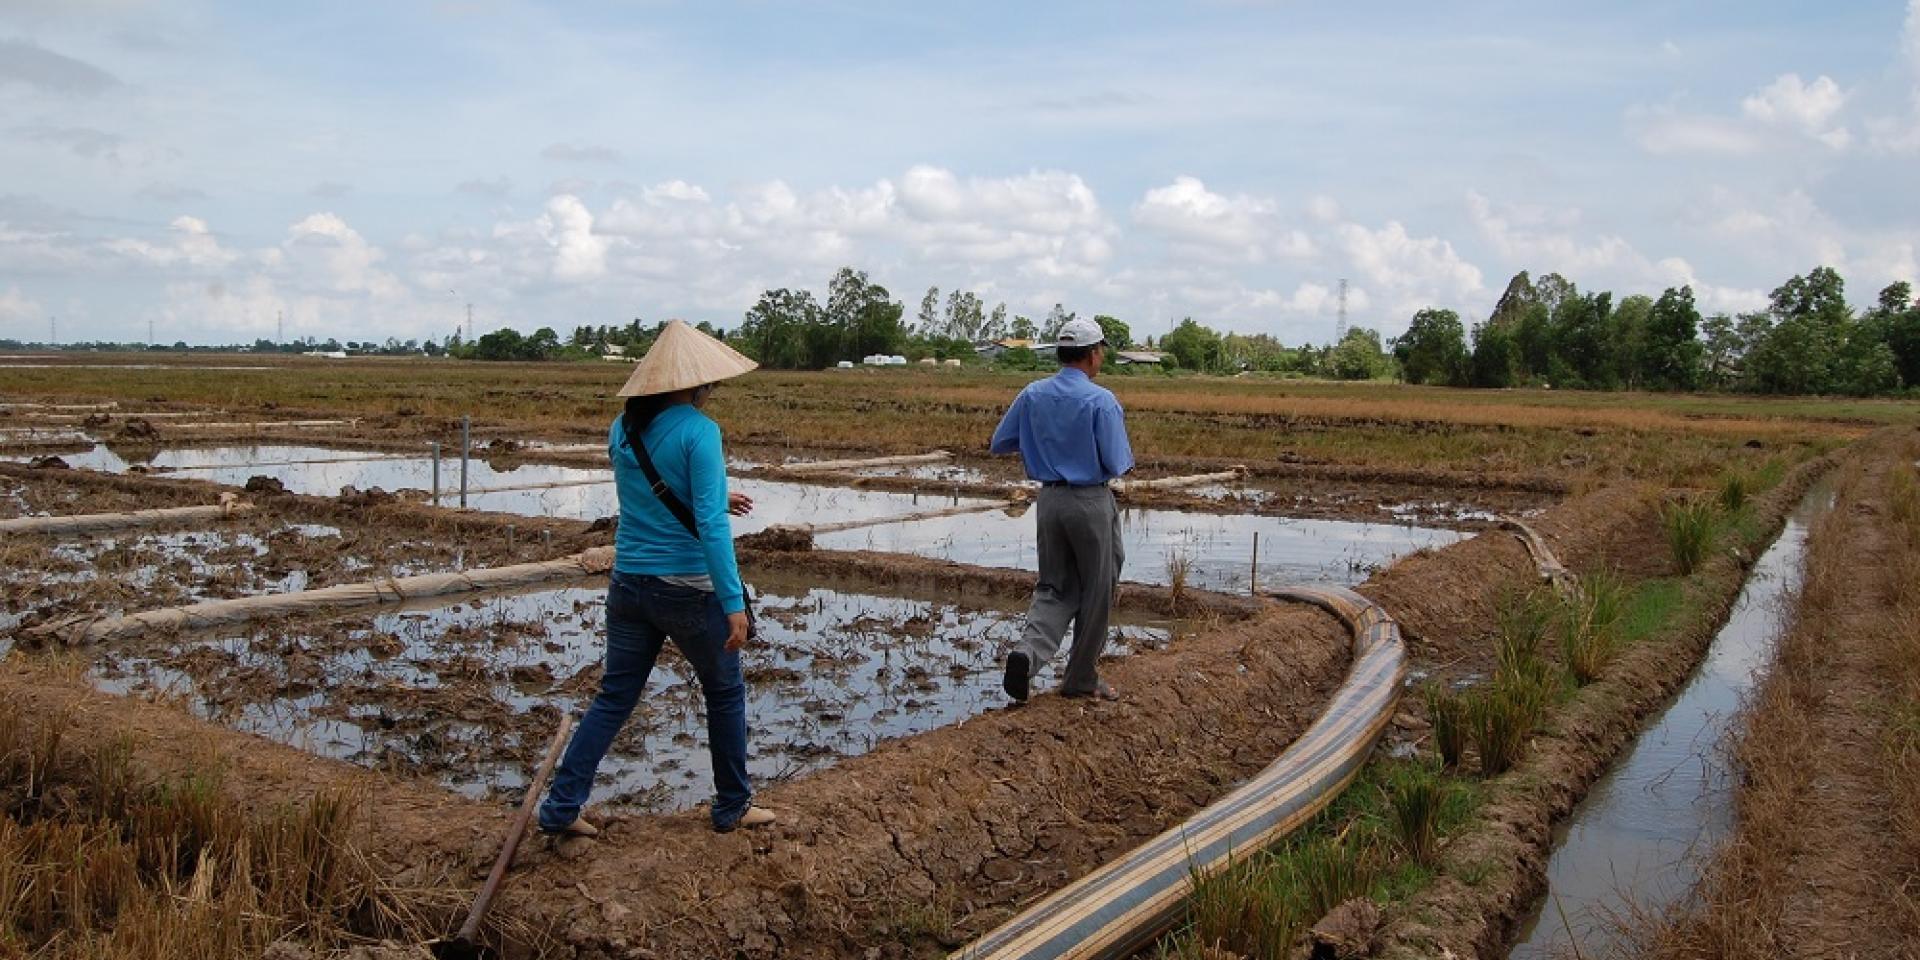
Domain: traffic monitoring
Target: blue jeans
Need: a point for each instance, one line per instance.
(642, 611)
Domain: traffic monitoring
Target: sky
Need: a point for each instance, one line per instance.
(366, 170)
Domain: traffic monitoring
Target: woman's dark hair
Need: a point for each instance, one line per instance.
(640, 413)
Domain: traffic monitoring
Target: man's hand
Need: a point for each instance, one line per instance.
(739, 504)
(736, 631)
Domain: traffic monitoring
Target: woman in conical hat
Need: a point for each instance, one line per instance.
(674, 575)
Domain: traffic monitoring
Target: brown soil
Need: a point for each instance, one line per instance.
(1816, 752)
(44, 578)
(1490, 874)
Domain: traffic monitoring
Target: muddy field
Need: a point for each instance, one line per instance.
(917, 810)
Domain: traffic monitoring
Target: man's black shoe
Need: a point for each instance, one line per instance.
(1019, 671)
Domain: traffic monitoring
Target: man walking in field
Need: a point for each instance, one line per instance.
(1072, 437)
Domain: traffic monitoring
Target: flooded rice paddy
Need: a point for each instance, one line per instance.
(1644, 829)
(583, 494)
(467, 694)
(1210, 551)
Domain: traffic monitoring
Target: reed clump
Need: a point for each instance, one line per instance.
(1736, 487)
(1415, 795)
(1590, 626)
(1690, 527)
(1447, 715)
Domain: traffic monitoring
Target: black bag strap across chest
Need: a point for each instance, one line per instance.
(667, 497)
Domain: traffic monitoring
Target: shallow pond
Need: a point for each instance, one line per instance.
(466, 694)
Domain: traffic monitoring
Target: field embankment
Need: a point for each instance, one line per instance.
(1824, 860)
(1492, 870)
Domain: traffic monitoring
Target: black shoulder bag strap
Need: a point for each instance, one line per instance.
(679, 509)
(668, 498)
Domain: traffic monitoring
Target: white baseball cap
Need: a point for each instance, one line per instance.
(1080, 332)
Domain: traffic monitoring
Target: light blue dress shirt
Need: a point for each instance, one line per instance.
(1066, 428)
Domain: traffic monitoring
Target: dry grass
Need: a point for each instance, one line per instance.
(1556, 433)
(97, 863)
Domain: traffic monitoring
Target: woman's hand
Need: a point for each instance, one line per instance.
(739, 504)
(736, 631)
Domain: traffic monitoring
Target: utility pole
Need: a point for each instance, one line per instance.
(468, 336)
(279, 328)
(149, 331)
(53, 330)
(1341, 333)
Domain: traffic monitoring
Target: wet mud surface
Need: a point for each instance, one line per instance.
(467, 694)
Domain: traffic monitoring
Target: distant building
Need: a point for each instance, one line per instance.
(1126, 358)
(992, 349)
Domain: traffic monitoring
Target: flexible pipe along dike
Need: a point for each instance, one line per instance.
(1121, 907)
(213, 613)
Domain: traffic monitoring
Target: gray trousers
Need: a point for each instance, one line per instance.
(1080, 559)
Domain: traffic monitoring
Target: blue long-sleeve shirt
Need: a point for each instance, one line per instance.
(685, 446)
(1066, 428)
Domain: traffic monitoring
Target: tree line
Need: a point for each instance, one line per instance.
(1549, 333)
(1545, 332)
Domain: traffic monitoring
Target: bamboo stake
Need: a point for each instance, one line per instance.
(830, 466)
(1169, 483)
(816, 529)
(96, 522)
(350, 596)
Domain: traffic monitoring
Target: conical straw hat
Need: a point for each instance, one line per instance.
(683, 357)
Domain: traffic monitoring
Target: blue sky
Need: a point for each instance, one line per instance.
(367, 169)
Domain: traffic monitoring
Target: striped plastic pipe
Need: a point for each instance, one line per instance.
(1121, 907)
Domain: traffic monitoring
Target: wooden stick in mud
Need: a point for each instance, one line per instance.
(1548, 565)
(829, 466)
(96, 522)
(549, 485)
(258, 425)
(510, 844)
(1124, 487)
(59, 406)
(369, 458)
(214, 613)
(816, 529)
(69, 418)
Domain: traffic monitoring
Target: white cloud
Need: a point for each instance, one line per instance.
(578, 254)
(1416, 270)
(17, 310)
(1208, 225)
(1546, 240)
(1771, 118)
(1806, 107)
(1541, 239)
(190, 244)
(344, 255)
(1900, 134)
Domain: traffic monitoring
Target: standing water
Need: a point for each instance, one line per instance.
(1636, 841)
